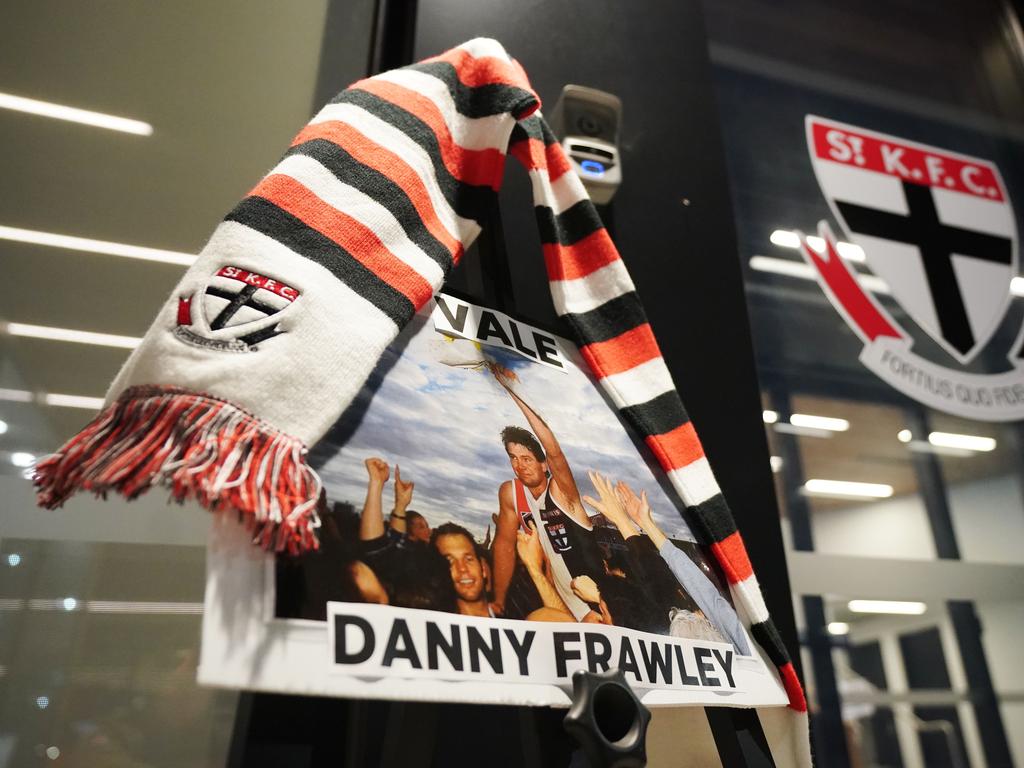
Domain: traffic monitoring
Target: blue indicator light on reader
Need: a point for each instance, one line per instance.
(592, 167)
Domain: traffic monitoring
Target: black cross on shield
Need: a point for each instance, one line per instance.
(232, 305)
(936, 243)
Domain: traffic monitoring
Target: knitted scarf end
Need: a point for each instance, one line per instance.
(201, 448)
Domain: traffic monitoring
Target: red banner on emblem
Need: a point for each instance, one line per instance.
(266, 283)
(866, 317)
(860, 149)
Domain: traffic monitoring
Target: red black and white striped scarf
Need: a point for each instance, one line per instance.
(338, 246)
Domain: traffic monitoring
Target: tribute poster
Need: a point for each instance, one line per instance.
(490, 527)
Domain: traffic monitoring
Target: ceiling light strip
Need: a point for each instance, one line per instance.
(75, 115)
(789, 429)
(66, 604)
(847, 488)
(789, 239)
(810, 421)
(70, 334)
(22, 459)
(806, 424)
(52, 398)
(59, 604)
(149, 607)
(899, 607)
(72, 401)
(963, 442)
(72, 243)
(16, 395)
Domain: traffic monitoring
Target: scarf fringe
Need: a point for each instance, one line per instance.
(201, 448)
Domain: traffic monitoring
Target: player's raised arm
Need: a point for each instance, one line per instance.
(558, 465)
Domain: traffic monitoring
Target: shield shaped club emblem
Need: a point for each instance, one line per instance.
(937, 226)
(242, 301)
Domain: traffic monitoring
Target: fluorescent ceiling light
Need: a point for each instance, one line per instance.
(806, 424)
(69, 334)
(3, 426)
(776, 462)
(788, 239)
(16, 395)
(785, 238)
(50, 398)
(838, 628)
(103, 606)
(73, 243)
(946, 444)
(789, 429)
(804, 271)
(847, 489)
(22, 459)
(901, 607)
(819, 422)
(59, 604)
(73, 401)
(1017, 286)
(787, 267)
(155, 608)
(75, 115)
(848, 251)
(963, 442)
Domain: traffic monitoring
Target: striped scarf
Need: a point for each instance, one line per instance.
(337, 247)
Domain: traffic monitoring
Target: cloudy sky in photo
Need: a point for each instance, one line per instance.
(440, 422)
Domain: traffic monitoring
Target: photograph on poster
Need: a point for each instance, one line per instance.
(489, 517)
(481, 472)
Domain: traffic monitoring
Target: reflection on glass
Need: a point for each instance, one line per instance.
(98, 652)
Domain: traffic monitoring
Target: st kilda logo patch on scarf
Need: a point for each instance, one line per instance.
(236, 308)
(939, 229)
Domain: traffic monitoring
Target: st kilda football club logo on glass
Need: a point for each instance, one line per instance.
(235, 312)
(938, 228)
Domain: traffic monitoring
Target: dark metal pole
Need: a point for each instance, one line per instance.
(827, 731)
(966, 625)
